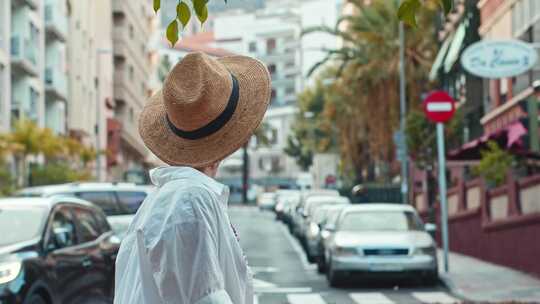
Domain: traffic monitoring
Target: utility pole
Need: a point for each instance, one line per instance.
(403, 116)
(245, 174)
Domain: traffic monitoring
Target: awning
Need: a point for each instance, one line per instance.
(510, 138)
(455, 47)
(439, 59)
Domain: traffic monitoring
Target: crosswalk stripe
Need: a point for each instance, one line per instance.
(370, 298)
(435, 297)
(311, 298)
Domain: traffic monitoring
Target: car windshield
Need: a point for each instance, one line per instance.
(23, 223)
(380, 221)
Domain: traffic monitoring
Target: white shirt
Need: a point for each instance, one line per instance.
(180, 247)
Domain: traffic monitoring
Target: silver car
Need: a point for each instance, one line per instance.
(311, 226)
(380, 239)
(300, 213)
(119, 201)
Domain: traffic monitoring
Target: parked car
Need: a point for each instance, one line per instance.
(289, 211)
(327, 215)
(284, 198)
(298, 213)
(315, 220)
(380, 239)
(266, 201)
(119, 201)
(57, 250)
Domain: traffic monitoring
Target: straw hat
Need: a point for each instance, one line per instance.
(207, 109)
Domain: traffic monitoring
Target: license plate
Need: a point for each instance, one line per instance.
(385, 267)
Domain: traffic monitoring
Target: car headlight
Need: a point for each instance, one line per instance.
(9, 271)
(345, 251)
(279, 207)
(430, 250)
(314, 229)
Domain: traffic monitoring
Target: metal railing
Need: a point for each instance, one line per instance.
(23, 49)
(55, 19)
(56, 80)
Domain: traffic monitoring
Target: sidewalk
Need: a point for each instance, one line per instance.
(477, 280)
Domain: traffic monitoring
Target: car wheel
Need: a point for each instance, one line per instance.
(333, 276)
(36, 299)
(310, 257)
(431, 279)
(320, 265)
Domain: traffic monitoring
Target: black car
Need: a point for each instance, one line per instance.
(55, 250)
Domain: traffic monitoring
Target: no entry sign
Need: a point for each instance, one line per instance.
(439, 106)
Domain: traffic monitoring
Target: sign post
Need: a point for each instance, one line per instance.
(440, 108)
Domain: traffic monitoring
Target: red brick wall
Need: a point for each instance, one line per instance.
(513, 241)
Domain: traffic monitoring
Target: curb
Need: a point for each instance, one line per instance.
(448, 284)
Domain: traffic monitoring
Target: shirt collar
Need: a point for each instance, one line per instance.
(161, 175)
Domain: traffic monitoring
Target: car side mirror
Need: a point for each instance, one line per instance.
(330, 228)
(430, 227)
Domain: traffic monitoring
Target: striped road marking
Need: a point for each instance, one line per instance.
(435, 297)
(370, 298)
(310, 298)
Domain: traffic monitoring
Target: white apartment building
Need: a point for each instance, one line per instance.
(134, 23)
(273, 35)
(23, 35)
(5, 65)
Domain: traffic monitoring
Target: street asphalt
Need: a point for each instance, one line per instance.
(283, 275)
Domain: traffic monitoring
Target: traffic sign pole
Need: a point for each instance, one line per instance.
(442, 191)
(440, 108)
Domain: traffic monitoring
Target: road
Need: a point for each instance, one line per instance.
(283, 275)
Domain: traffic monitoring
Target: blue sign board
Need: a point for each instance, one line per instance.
(499, 58)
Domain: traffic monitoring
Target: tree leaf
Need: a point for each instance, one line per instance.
(407, 11)
(198, 6)
(447, 5)
(183, 13)
(157, 5)
(172, 32)
(204, 15)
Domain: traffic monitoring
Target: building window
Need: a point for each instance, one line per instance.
(131, 31)
(131, 73)
(289, 91)
(272, 69)
(253, 47)
(273, 96)
(131, 115)
(270, 45)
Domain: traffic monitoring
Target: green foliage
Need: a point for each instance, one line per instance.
(409, 9)
(28, 139)
(495, 164)
(172, 32)
(183, 16)
(407, 13)
(56, 173)
(7, 183)
(313, 131)
(422, 136)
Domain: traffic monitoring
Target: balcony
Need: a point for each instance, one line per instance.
(23, 55)
(55, 84)
(31, 3)
(56, 23)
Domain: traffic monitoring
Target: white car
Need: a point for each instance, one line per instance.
(119, 201)
(266, 201)
(380, 240)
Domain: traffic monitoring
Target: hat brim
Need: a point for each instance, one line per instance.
(255, 90)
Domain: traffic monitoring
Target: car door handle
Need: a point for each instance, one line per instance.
(86, 263)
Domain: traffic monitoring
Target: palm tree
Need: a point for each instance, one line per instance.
(364, 98)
